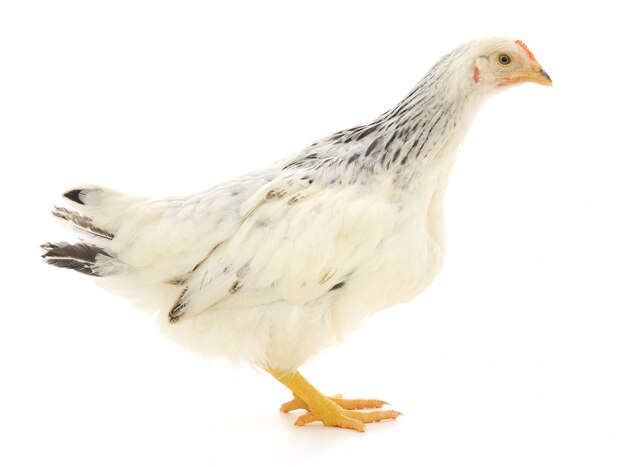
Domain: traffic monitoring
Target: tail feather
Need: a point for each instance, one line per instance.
(91, 255)
(74, 195)
(83, 223)
(80, 257)
(105, 208)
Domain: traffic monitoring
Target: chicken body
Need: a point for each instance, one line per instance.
(275, 265)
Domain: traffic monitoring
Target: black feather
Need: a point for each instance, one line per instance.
(74, 195)
(81, 256)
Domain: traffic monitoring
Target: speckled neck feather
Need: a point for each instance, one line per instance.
(402, 140)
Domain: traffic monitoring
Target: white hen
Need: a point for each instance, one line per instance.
(277, 264)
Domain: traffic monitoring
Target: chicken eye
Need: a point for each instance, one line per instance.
(504, 59)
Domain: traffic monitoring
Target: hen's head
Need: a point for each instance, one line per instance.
(493, 63)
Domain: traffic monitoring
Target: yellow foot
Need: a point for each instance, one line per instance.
(331, 414)
(331, 411)
(350, 404)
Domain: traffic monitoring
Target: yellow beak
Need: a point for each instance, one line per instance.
(538, 76)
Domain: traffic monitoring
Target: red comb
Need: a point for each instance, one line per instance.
(525, 47)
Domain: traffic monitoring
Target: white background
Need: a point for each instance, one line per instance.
(515, 356)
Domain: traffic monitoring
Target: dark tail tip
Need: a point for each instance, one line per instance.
(74, 195)
(80, 257)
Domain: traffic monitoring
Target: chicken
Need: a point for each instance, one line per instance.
(280, 263)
